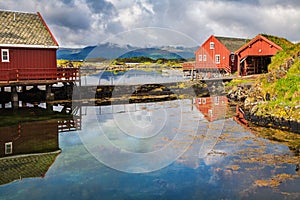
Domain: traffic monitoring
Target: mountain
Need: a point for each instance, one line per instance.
(74, 54)
(112, 51)
(184, 52)
(153, 53)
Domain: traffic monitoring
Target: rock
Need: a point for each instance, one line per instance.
(268, 96)
(238, 93)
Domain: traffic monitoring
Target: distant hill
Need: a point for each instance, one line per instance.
(74, 54)
(184, 52)
(153, 53)
(112, 51)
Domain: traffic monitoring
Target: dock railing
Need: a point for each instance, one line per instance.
(31, 74)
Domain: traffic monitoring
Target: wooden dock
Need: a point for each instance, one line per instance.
(18, 80)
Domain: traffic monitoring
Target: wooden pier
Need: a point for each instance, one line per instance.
(16, 81)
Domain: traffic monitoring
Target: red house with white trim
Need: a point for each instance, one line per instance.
(255, 56)
(28, 48)
(216, 56)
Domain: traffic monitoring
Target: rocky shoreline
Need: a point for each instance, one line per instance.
(248, 100)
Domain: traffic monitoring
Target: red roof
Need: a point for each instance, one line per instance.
(258, 37)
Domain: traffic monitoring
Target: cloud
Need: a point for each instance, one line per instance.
(88, 22)
(68, 16)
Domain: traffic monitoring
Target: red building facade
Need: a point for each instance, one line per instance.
(28, 48)
(216, 56)
(255, 56)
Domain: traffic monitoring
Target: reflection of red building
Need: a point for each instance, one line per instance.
(30, 137)
(239, 117)
(35, 143)
(213, 108)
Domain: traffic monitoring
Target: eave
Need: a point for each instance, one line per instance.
(29, 46)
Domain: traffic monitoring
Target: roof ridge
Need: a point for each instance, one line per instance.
(15, 11)
(227, 37)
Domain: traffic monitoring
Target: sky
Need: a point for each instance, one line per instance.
(79, 23)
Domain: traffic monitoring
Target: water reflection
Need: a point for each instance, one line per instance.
(132, 77)
(29, 139)
(231, 164)
(213, 108)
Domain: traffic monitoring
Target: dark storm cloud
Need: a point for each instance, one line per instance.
(101, 6)
(71, 18)
(71, 2)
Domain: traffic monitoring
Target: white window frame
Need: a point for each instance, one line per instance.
(200, 57)
(8, 148)
(232, 57)
(211, 45)
(2, 55)
(210, 112)
(204, 57)
(203, 101)
(218, 59)
(217, 100)
(199, 101)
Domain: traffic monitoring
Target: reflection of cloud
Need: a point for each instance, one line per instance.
(87, 22)
(139, 148)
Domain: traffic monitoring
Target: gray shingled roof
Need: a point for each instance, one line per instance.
(24, 29)
(25, 166)
(232, 44)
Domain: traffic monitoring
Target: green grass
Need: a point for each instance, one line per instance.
(283, 56)
(236, 82)
(282, 42)
(287, 87)
(281, 84)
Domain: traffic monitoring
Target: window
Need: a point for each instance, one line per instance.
(200, 57)
(217, 100)
(199, 101)
(204, 57)
(217, 59)
(4, 55)
(210, 113)
(8, 148)
(203, 101)
(211, 45)
(232, 57)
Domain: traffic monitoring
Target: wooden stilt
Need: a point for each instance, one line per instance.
(49, 95)
(14, 97)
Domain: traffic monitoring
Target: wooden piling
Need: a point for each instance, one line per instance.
(14, 97)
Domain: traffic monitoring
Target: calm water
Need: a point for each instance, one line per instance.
(159, 150)
(132, 77)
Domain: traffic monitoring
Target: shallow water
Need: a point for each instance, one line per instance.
(132, 77)
(161, 150)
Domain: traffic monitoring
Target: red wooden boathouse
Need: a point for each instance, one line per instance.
(255, 56)
(28, 48)
(28, 55)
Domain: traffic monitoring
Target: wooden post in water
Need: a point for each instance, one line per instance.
(49, 95)
(23, 88)
(14, 97)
